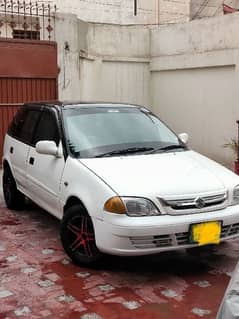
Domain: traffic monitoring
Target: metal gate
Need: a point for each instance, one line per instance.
(28, 63)
(16, 90)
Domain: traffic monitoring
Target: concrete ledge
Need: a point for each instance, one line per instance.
(106, 58)
(125, 59)
(220, 58)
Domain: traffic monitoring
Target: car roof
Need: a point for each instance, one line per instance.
(78, 104)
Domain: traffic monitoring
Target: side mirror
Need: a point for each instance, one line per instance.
(48, 148)
(184, 137)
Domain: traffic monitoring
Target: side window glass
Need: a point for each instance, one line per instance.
(29, 125)
(47, 129)
(17, 123)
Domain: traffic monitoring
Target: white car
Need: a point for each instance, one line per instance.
(119, 179)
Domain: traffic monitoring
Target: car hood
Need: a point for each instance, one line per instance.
(164, 174)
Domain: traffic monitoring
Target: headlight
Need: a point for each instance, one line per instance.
(137, 207)
(132, 206)
(236, 196)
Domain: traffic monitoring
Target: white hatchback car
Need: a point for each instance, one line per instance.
(120, 180)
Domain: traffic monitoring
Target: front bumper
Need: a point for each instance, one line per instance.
(132, 236)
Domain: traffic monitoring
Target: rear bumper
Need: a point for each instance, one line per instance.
(123, 235)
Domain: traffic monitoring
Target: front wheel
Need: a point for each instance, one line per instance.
(78, 237)
(13, 197)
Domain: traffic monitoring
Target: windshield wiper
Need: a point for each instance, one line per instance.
(127, 151)
(168, 148)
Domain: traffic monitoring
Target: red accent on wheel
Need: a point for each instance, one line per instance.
(84, 236)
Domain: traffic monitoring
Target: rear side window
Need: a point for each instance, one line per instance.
(47, 129)
(24, 124)
(17, 123)
(29, 125)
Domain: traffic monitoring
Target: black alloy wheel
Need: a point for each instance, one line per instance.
(78, 237)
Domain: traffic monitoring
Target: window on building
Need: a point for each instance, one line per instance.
(26, 34)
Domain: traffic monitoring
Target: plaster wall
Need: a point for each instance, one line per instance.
(201, 9)
(111, 11)
(188, 73)
(69, 41)
(210, 8)
(175, 11)
(116, 81)
(149, 12)
(103, 62)
(194, 81)
(205, 35)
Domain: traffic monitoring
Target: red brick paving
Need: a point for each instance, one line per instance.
(37, 280)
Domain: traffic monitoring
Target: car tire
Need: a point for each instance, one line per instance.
(14, 199)
(78, 237)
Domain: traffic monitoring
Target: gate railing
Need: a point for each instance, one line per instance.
(27, 20)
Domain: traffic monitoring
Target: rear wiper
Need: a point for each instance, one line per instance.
(127, 151)
(168, 148)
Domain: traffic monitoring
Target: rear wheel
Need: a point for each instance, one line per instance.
(78, 237)
(13, 197)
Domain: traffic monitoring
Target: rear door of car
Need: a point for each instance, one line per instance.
(44, 172)
(18, 143)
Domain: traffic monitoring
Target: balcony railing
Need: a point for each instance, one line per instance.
(27, 20)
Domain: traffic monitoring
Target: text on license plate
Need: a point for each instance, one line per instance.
(206, 233)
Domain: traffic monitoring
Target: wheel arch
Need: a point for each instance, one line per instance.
(73, 201)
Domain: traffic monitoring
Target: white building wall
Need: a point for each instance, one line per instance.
(116, 81)
(103, 62)
(149, 11)
(201, 8)
(210, 8)
(122, 11)
(188, 73)
(68, 38)
(174, 11)
(195, 76)
(111, 11)
(118, 64)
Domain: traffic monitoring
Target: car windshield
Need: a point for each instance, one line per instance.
(101, 131)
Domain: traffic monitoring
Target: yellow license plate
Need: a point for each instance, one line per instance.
(206, 233)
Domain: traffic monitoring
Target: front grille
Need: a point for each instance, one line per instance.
(196, 204)
(151, 241)
(182, 238)
(190, 203)
(229, 230)
(178, 239)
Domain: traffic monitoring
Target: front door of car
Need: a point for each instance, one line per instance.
(44, 172)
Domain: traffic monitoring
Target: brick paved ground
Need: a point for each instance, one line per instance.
(37, 280)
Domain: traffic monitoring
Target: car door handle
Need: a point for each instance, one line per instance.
(11, 150)
(31, 160)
